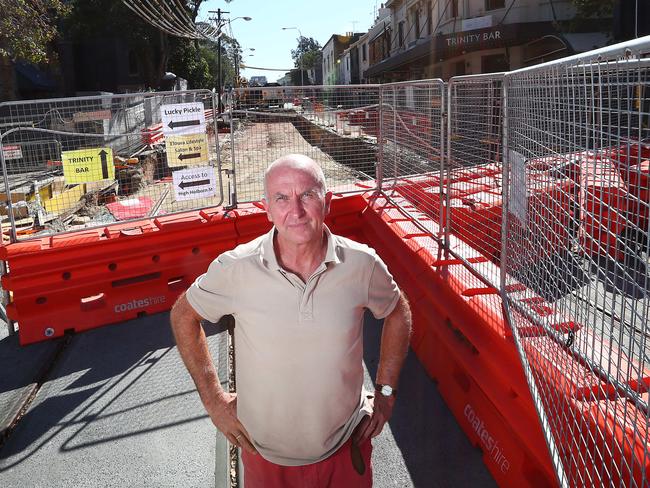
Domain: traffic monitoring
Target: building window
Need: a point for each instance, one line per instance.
(494, 63)
(400, 33)
(494, 4)
(364, 51)
(429, 15)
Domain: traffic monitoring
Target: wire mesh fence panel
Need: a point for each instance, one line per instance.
(77, 163)
(472, 178)
(336, 126)
(576, 256)
(412, 148)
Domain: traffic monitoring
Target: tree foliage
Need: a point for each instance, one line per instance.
(27, 28)
(594, 8)
(306, 54)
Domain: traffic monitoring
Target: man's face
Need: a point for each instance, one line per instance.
(295, 205)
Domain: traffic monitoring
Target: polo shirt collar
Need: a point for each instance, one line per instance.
(267, 252)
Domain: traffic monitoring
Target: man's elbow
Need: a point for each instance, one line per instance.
(182, 313)
(402, 313)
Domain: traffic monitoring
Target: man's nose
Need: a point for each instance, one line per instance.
(297, 207)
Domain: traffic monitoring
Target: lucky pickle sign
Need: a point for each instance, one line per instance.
(184, 127)
(86, 165)
(182, 118)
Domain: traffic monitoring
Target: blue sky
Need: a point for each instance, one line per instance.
(272, 44)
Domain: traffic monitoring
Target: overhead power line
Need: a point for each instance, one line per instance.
(171, 17)
(266, 69)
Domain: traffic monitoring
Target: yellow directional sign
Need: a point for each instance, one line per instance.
(189, 150)
(84, 165)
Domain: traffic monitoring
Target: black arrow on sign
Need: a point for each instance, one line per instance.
(102, 155)
(183, 123)
(187, 184)
(189, 156)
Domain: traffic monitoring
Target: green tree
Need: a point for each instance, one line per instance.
(26, 31)
(594, 8)
(186, 59)
(306, 54)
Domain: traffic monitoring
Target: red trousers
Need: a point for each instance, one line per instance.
(337, 471)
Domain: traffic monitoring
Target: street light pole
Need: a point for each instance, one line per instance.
(219, 27)
(302, 81)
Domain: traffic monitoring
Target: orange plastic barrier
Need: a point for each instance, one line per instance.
(95, 277)
(604, 202)
(86, 279)
(458, 331)
(461, 337)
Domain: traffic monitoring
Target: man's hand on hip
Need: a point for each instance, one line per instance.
(372, 425)
(224, 417)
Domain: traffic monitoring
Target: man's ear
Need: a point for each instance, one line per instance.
(265, 204)
(328, 200)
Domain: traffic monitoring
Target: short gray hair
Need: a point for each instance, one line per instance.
(300, 162)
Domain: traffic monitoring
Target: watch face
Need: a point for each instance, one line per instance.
(386, 390)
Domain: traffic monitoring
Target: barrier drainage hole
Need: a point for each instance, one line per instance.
(195, 250)
(155, 258)
(112, 266)
(41, 300)
(66, 275)
(142, 314)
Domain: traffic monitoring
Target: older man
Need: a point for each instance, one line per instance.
(298, 295)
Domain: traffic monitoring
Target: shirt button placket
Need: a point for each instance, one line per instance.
(306, 304)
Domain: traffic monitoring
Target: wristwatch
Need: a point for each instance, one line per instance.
(386, 390)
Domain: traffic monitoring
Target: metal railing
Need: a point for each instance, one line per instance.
(472, 188)
(336, 126)
(542, 172)
(576, 235)
(85, 162)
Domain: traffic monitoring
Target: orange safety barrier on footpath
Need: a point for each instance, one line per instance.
(461, 337)
(604, 202)
(593, 402)
(475, 207)
(445, 328)
(95, 277)
(86, 279)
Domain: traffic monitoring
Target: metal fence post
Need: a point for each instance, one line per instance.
(10, 211)
(445, 211)
(537, 398)
(233, 195)
(379, 173)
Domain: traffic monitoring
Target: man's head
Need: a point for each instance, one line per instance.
(296, 198)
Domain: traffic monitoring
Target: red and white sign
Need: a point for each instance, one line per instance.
(12, 152)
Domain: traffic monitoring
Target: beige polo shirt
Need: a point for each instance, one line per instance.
(299, 345)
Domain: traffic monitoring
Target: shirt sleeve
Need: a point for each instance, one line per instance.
(383, 292)
(211, 293)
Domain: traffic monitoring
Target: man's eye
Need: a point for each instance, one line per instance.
(308, 195)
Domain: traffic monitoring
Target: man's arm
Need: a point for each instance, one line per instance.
(193, 348)
(394, 347)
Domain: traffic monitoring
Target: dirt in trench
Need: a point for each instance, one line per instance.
(259, 144)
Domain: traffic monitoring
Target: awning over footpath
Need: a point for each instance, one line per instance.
(446, 46)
